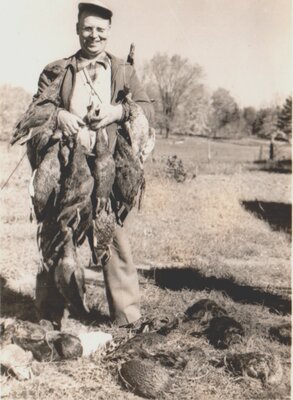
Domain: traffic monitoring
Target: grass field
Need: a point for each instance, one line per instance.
(223, 234)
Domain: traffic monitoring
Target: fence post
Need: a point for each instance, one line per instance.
(260, 153)
(209, 151)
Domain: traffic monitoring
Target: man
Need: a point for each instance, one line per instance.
(67, 89)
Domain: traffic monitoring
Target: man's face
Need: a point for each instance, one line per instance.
(93, 32)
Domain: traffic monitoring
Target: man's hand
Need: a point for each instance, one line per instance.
(107, 115)
(69, 123)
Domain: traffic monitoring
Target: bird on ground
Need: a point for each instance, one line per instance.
(203, 311)
(281, 333)
(145, 378)
(161, 324)
(16, 362)
(150, 345)
(224, 331)
(42, 340)
(265, 367)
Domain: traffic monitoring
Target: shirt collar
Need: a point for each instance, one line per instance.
(83, 62)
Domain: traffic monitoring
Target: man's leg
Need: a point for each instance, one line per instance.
(121, 281)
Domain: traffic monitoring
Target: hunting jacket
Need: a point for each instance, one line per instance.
(122, 73)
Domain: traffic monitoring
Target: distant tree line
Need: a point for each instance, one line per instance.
(183, 105)
(13, 102)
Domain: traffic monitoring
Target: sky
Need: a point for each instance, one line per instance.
(243, 45)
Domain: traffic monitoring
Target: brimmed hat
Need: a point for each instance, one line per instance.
(101, 7)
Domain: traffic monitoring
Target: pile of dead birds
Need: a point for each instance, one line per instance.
(147, 362)
(24, 344)
(152, 354)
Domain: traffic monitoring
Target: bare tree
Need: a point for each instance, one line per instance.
(173, 80)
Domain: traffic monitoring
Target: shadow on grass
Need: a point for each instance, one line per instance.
(278, 215)
(15, 304)
(20, 306)
(190, 278)
(278, 166)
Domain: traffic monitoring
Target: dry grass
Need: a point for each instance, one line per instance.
(199, 224)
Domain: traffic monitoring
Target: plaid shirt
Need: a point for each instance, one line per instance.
(92, 65)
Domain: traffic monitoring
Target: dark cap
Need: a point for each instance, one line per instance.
(98, 6)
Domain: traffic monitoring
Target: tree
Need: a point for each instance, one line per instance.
(284, 122)
(13, 102)
(173, 80)
(224, 110)
(249, 116)
(192, 115)
(265, 124)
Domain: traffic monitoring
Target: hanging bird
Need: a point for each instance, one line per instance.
(103, 170)
(129, 175)
(142, 137)
(224, 331)
(69, 277)
(74, 200)
(44, 184)
(265, 367)
(103, 167)
(40, 117)
(145, 378)
(104, 226)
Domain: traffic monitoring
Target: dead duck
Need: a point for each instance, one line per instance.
(104, 226)
(141, 345)
(142, 137)
(39, 119)
(44, 184)
(103, 167)
(145, 378)
(103, 172)
(129, 179)
(16, 362)
(74, 205)
(265, 367)
(281, 333)
(162, 325)
(223, 332)
(203, 311)
(42, 341)
(69, 277)
(153, 346)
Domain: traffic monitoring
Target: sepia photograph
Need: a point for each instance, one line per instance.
(146, 206)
